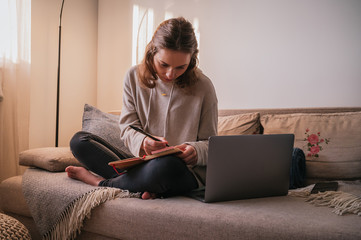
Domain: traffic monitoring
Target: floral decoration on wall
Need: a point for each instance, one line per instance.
(314, 143)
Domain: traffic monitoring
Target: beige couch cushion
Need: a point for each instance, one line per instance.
(12, 198)
(247, 123)
(184, 218)
(331, 142)
(54, 159)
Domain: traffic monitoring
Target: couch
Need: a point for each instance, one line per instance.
(329, 137)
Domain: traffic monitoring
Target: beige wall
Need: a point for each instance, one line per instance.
(114, 51)
(278, 53)
(259, 54)
(78, 67)
(283, 53)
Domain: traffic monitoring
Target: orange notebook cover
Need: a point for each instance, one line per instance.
(130, 162)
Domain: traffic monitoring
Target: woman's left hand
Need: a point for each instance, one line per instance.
(189, 154)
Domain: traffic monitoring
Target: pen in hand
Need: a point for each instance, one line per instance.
(146, 134)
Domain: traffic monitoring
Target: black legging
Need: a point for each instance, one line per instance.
(165, 176)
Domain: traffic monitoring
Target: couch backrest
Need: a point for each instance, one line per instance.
(263, 111)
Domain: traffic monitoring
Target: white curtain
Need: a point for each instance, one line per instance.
(15, 25)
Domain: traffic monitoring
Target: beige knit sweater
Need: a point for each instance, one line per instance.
(168, 112)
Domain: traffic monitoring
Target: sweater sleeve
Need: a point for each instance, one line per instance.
(207, 126)
(129, 116)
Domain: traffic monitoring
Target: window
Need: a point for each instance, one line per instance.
(143, 27)
(15, 25)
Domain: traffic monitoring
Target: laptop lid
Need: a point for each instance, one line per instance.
(248, 166)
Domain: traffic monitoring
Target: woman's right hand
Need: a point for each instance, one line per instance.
(149, 145)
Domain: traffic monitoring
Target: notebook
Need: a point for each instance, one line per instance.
(247, 166)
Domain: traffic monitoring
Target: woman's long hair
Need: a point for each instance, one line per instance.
(175, 34)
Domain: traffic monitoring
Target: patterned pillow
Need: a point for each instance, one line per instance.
(331, 142)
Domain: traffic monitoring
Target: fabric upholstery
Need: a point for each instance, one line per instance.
(12, 198)
(54, 159)
(104, 125)
(265, 111)
(331, 141)
(183, 218)
(247, 123)
(55, 200)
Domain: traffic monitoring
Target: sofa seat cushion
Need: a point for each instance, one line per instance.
(331, 142)
(184, 218)
(12, 198)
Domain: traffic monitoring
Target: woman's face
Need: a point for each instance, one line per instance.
(170, 64)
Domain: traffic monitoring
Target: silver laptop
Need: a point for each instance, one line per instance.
(247, 166)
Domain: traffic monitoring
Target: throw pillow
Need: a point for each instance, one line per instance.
(247, 123)
(331, 142)
(53, 159)
(104, 125)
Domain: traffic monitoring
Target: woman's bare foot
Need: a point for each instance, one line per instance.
(148, 195)
(82, 174)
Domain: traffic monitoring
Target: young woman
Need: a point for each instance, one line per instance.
(168, 97)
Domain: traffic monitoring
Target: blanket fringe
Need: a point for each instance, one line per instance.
(301, 192)
(71, 220)
(341, 202)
